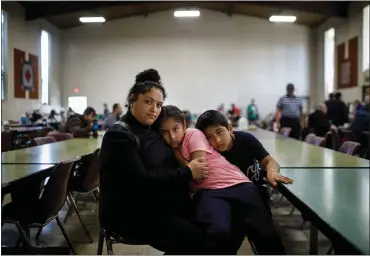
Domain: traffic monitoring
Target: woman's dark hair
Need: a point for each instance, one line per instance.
(144, 82)
(174, 112)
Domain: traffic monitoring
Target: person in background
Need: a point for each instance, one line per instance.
(37, 117)
(366, 101)
(234, 114)
(318, 121)
(329, 106)
(62, 116)
(361, 123)
(26, 119)
(288, 112)
(70, 112)
(252, 112)
(80, 125)
(54, 117)
(187, 118)
(221, 108)
(113, 117)
(105, 111)
(339, 115)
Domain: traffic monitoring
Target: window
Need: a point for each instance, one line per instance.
(329, 49)
(366, 38)
(3, 52)
(44, 67)
(78, 104)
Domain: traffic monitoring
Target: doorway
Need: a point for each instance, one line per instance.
(78, 104)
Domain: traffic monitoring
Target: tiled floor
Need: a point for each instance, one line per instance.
(294, 239)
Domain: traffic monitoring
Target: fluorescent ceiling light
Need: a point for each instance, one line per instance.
(186, 13)
(281, 18)
(92, 19)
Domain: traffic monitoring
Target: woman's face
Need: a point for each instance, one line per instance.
(173, 132)
(147, 106)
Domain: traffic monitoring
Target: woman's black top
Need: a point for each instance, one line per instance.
(138, 183)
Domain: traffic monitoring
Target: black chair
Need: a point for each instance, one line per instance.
(113, 238)
(39, 213)
(85, 181)
(7, 138)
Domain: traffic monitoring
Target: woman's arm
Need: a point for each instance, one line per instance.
(119, 154)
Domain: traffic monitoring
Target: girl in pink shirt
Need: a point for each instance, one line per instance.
(226, 197)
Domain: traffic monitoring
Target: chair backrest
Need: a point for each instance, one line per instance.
(44, 140)
(55, 192)
(60, 136)
(348, 135)
(92, 178)
(309, 137)
(318, 141)
(7, 138)
(285, 131)
(44, 131)
(335, 140)
(350, 147)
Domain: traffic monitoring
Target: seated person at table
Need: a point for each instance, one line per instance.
(361, 123)
(80, 125)
(226, 194)
(318, 121)
(114, 116)
(26, 119)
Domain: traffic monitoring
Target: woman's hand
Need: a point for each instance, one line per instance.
(199, 168)
(274, 178)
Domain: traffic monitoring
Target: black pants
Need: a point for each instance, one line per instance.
(292, 123)
(172, 234)
(228, 214)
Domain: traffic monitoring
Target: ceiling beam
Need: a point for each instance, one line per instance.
(332, 9)
(35, 10)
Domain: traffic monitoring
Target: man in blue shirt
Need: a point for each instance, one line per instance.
(288, 112)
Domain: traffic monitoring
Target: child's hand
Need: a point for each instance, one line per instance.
(274, 178)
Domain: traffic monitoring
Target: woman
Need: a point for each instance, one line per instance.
(144, 195)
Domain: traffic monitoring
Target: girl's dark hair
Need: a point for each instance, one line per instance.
(144, 81)
(174, 112)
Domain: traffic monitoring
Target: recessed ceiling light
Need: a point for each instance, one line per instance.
(92, 19)
(282, 18)
(186, 13)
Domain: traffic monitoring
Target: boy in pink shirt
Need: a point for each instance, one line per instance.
(226, 197)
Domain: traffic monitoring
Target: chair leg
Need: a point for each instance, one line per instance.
(302, 225)
(109, 245)
(80, 217)
(101, 242)
(330, 250)
(18, 243)
(95, 197)
(253, 247)
(37, 237)
(69, 212)
(70, 245)
(23, 235)
(292, 210)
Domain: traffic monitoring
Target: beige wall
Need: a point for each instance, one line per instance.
(204, 62)
(345, 29)
(26, 36)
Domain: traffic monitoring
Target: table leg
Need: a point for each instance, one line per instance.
(313, 239)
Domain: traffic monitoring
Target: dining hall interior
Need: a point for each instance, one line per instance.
(89, 89)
